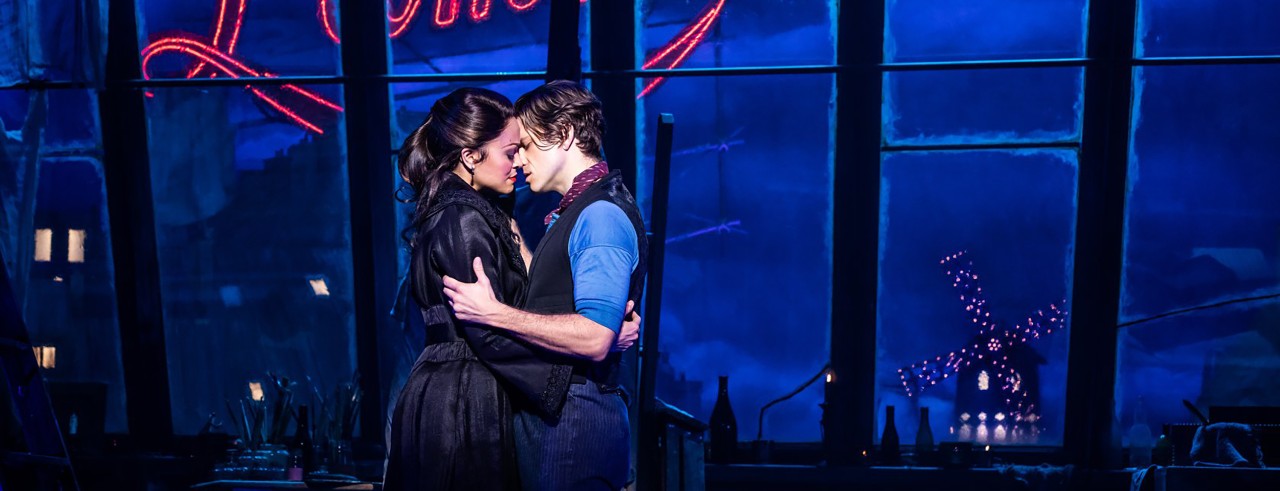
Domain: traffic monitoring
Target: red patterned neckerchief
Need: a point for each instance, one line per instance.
(580, 184)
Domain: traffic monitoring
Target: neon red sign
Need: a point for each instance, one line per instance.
(683, 44)
(310, 110)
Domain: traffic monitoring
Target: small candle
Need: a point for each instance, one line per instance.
(826, 388)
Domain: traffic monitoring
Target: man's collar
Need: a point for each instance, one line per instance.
(581, 182)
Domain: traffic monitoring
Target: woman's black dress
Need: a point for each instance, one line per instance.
(451, 428)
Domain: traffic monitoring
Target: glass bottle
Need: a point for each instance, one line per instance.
(890, 447)
(724, 427)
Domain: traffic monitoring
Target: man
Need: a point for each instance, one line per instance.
(588, 265)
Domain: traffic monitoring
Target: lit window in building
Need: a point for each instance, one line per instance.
(319, 286)
(75, 246)
(44, 245)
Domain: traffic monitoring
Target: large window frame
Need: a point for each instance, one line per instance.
(859, 72)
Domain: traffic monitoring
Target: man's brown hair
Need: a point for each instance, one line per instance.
(553, 111)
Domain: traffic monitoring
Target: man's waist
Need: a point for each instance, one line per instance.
(601, 372)
(603, 387)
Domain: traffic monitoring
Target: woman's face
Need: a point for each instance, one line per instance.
(497, 171)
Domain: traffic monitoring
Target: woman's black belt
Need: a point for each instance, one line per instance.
(447, 351)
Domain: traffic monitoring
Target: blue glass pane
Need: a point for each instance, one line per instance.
(54, 40)
(1207, 28)
(749, 225)
(12, 44)
(983, 106)
(253, 237)
(1010, 218)
(929, 30)
(222, 38)
(725, 33)
(1228, 356)
(72, 40)
(1202, 205)
(52, 190)
(460, 36)
(584, 35)
(73, 120)
(14, 105)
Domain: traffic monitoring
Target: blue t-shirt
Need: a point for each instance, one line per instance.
(603, 253)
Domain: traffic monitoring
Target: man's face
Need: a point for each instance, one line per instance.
(541, 163)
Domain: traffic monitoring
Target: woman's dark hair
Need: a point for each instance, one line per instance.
(557, 108)
(467, 118)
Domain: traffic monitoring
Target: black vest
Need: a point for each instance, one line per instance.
(551, 276)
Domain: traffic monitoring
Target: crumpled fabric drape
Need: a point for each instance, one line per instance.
(52, 41)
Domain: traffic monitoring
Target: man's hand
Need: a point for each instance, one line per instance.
(630, 331)
(472, 302)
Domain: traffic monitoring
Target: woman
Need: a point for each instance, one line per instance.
(451, 428)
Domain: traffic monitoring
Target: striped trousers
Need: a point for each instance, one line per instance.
(588, 448)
